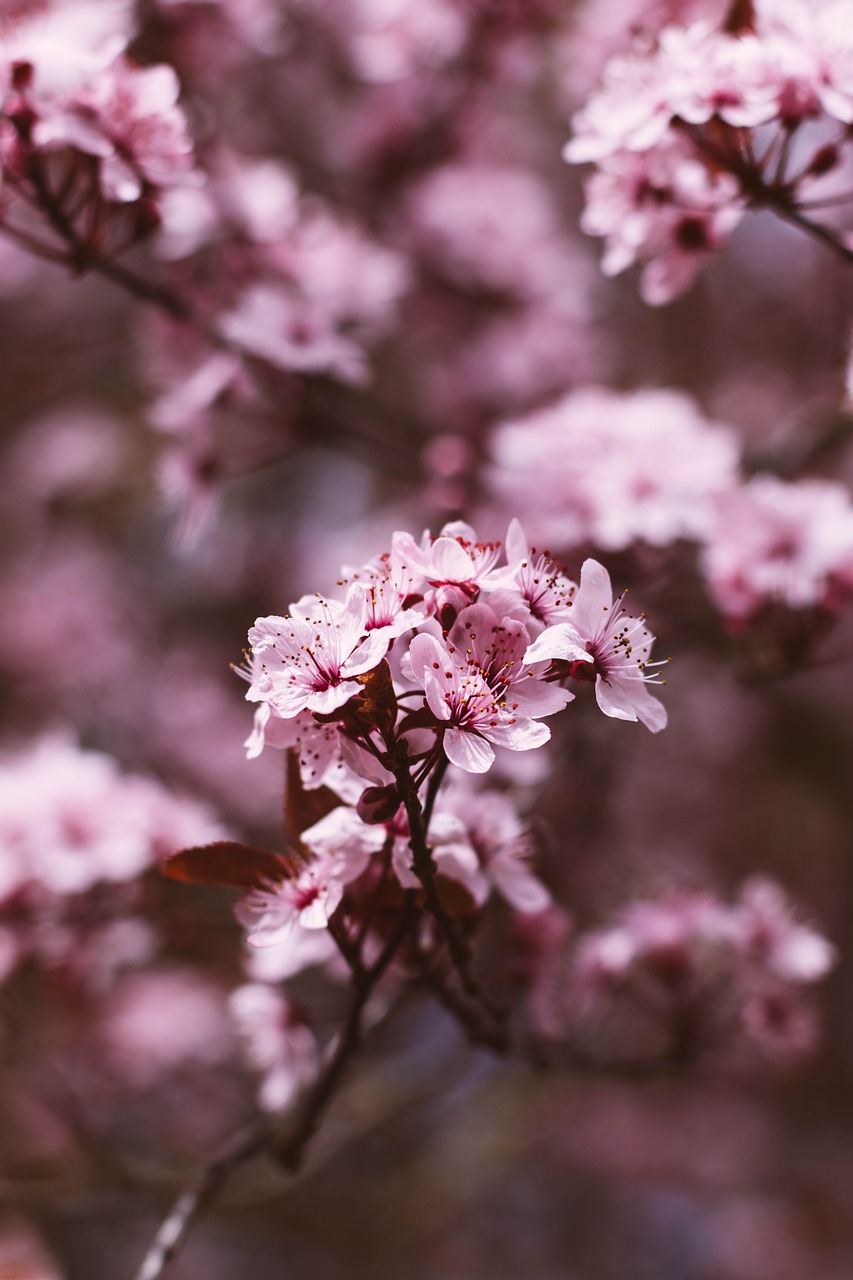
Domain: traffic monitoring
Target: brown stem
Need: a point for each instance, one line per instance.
(790, 213)
(425, 869)
(470, 1014)
(777, 195)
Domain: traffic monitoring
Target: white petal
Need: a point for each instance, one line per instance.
(468, 751)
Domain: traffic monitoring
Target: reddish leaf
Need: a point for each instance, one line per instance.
(420, 718)
(740, 18)
(230, 864)
(378, 704)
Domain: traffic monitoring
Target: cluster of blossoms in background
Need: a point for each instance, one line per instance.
(699, 124)
(609, 470)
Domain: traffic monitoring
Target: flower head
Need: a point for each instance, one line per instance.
(312, 661)
(605, 643)
(480, 685)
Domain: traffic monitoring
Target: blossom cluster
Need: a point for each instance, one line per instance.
(89, 139)
(693, 127)
(474, 639)
(71, 823)
(691, 953)
(482, 646)
(613, 470)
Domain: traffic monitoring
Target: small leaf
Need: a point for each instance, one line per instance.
(231, 865)
(741, 18)
(379, 804)
(378, 704)
(420, 718)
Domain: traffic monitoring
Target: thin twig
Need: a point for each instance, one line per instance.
(262, 1135)
(425, 869)
(196, 1199)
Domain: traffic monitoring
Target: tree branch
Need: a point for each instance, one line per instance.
(262, 1135)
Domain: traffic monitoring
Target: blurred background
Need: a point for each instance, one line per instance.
(388, 236)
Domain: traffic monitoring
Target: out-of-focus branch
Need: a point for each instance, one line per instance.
(289, 1146)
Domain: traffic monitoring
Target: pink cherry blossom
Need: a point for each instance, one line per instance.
(452, 852)
(480, 686)
(613, 469)
(774, 540)
(737, 965)
(534, 581)
(453, 559)
(69, 819)
(663, 209)
(679, 132)
(278, 1044)
(312, 664)
(769, 936)
(309, 899)
(501, 841)
(608, 644)
(129, 120)
(394, 593)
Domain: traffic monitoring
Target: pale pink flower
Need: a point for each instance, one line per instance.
(296, 950)
(455, 565)
(480, 686)
(128, 118)
(738, 965)
(667, 129)
(394, 593)
(68, 44)
(536, 582)
(812, 47)
(501, 841)
(278, 1044)
(774, 540)
(315, 892)
(301, 664)
(631, 110)
(779, 1020)
(605, 643)
(613, 468)
(317, 745)
(293, 333)
(489, 226)
(309, 899)
(391, 40)
(341, 271)
(79, 452)
(342, 836)
(157, 1021)
(452, 853)
(684, 938)
(69, 819)
(664, 209)
(769, 936)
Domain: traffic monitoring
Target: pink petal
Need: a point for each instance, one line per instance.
(594, 598)
(524, 735)
(535, 698)
(560, 641)
(614, 700)
(451, 563)
(468, 751)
